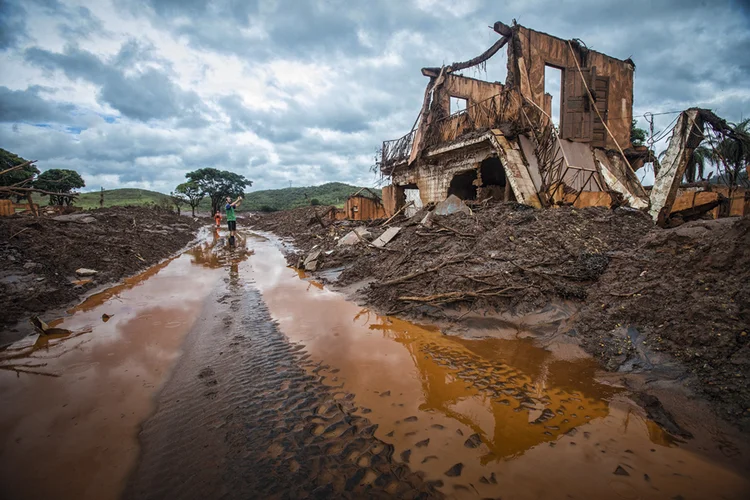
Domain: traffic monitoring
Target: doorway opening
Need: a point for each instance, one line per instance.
(462, 185)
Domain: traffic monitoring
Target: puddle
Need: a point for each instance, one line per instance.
(521, 422)
(486, 417)
(73, 432)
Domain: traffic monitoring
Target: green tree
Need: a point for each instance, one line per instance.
(315, 202)
(696, 167)
(192, 193)
(60, 181)
(637, 134)
(218, 184)
(178, 200)
(732, 154)
(22, 177)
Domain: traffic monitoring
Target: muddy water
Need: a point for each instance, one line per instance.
(69, 430)
(272, 385)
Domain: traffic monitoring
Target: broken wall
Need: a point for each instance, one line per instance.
(363, 208)
(532, 50)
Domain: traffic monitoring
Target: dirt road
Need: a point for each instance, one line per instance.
(223, 373)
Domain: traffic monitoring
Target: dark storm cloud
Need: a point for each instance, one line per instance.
(687, 52)
(12, 24)
(28, 106)
(149, 94)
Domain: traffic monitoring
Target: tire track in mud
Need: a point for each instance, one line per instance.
(246, 415)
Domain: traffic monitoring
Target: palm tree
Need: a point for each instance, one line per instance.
(697, 164)
(732, 153)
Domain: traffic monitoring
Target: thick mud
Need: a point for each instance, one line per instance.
(223, 374)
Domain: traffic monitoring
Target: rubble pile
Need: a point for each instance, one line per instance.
(45, 258)
(682, 291)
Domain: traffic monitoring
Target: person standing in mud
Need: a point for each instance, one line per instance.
(231, 217)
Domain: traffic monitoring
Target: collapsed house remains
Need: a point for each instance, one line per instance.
(502, 142)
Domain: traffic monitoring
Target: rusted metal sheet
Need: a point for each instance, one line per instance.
(363, 208)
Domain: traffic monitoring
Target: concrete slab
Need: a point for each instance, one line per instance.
(387, 236)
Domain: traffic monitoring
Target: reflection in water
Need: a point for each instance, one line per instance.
(485, 416)
(510, 393)
(72, 433)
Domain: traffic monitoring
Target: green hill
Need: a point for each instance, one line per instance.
(332, 193)
(120, 197)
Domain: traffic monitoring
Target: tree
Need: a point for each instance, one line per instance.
(315, 202)
(218, 184)
(178, 200)
(192, 193)
(732, 154)
(22, 177)
(637, 134)
(697, 164)
(60, 181)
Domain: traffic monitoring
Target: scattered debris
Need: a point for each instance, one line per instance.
(83, 271)
(387, 236)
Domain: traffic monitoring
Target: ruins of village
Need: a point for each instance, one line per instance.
(502, 142)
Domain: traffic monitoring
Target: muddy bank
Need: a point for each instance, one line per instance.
(40, 256)
(682, 290)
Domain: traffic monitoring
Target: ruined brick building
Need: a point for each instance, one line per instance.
(501, 141)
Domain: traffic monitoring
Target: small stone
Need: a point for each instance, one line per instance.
(82, 271)
(620, 471)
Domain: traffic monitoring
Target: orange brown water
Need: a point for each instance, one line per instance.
(522, 423)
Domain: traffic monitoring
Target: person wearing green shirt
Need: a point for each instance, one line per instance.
(231, 217)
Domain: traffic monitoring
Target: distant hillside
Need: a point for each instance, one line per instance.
(119, 198)
(333, 193)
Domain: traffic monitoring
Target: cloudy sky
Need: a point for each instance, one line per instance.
(134, 93)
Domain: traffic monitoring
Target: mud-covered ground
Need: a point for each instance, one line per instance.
(682, 292)
(39, 256)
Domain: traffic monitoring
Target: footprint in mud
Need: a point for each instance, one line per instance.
(474, 441)
(410, 419)
(206, 375)
(405, 455)
(385, 394)
(423, 443)
(428, 458)
(491, 480)
(455, 471)
(211, 395)
(438, 427)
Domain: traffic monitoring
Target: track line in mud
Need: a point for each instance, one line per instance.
(260, 423)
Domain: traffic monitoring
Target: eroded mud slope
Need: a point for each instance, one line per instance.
(39, 256)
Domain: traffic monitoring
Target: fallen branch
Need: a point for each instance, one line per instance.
(397, 212)
(413, 275)
(465, 235)
(17, 233)
(456, 296)
(17, 167)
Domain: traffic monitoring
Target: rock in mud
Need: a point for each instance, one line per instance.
(83, 271)
(451, 205)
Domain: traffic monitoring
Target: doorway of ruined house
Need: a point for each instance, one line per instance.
(411, 195)
(553, 86)
(463, 185)
(494, 182)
